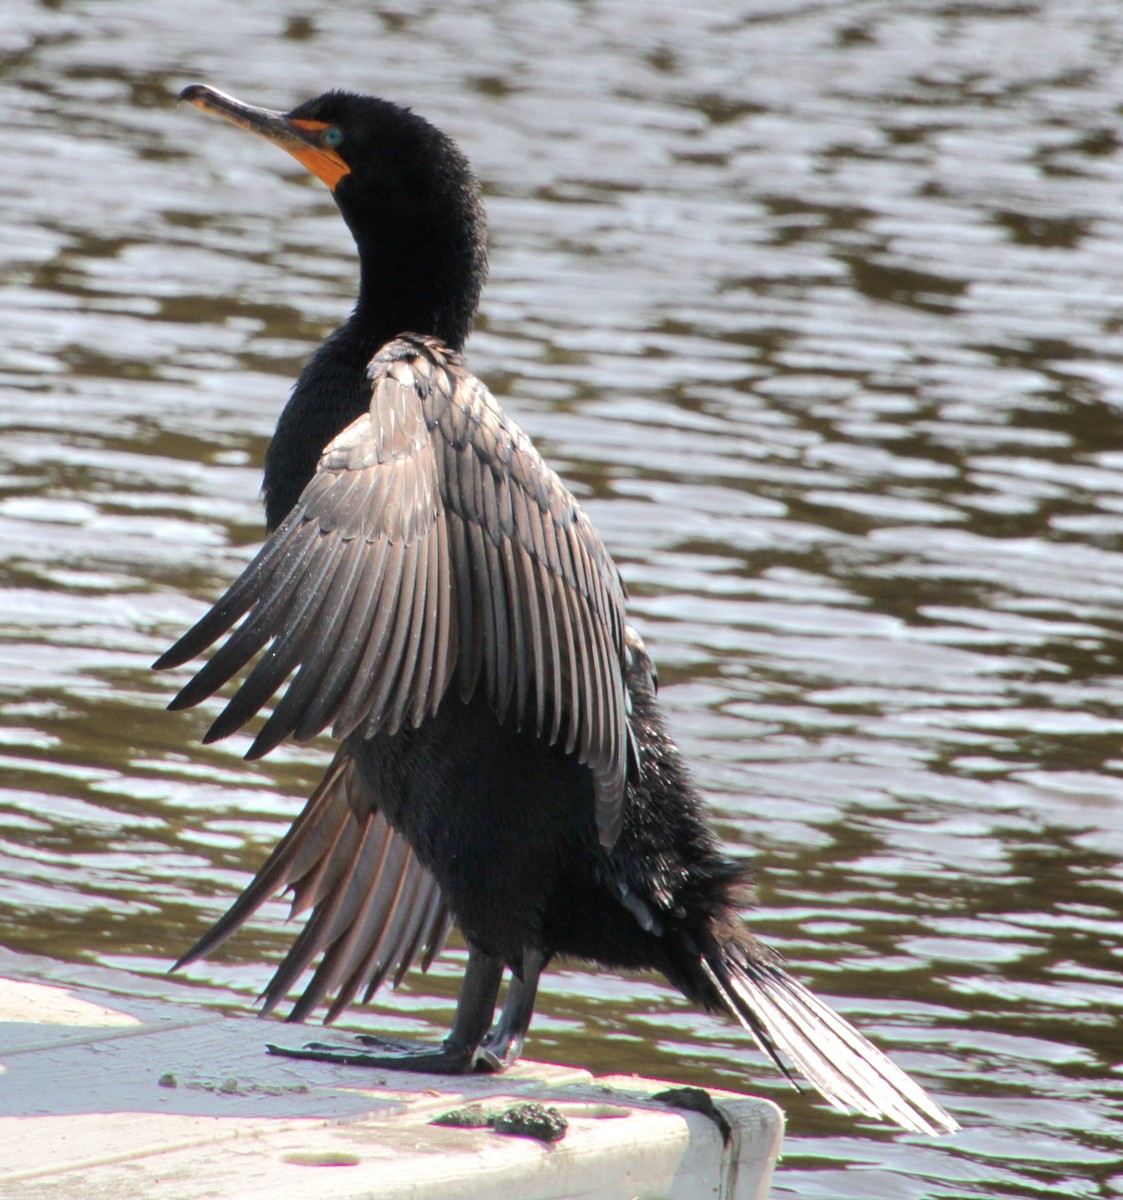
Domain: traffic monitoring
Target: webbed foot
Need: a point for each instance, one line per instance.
(447, 1058)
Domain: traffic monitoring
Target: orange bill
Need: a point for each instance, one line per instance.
(302, 139)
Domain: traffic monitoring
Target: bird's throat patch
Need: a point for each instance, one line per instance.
(322, 161)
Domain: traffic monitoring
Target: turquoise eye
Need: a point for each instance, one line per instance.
(333, 135)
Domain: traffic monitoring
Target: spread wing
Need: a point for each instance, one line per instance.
(374, 906)
(432, 543)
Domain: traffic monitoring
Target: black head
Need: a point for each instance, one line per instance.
(407, 194)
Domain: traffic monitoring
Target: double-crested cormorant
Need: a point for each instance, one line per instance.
(452, 616)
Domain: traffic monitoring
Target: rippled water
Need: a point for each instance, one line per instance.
(818, 306)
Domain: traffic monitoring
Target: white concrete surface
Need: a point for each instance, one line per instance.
(87, 1112)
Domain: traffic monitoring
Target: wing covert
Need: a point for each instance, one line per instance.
(537, 589)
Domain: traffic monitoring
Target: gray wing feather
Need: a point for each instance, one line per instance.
(375, 908)
(432, 543)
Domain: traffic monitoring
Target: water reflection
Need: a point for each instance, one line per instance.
(818, 308)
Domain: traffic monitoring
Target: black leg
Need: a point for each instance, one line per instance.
(457, 1055)
(503, 1045)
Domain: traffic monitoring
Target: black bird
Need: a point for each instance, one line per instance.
(444, 606)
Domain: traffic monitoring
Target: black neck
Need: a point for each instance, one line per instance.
(333, 389)
(422, 280)
(420, 271)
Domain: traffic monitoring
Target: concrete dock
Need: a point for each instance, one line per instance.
(107, 1091)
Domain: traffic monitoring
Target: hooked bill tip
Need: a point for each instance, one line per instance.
(192, 92)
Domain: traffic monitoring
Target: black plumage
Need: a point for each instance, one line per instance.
(432, 593)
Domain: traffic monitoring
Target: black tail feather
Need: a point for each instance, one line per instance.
(784, 1017)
